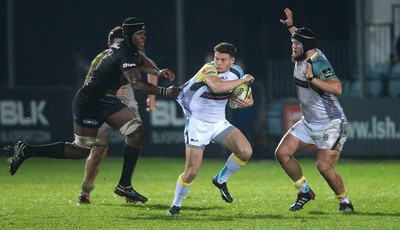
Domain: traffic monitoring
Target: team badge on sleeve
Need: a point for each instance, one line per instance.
(328, 72)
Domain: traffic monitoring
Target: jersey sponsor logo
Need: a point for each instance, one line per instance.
(127, 65)
(90, 122)
(213, 96)
(115, 45)
(327, 72)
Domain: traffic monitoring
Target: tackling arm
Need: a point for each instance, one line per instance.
(134, 77)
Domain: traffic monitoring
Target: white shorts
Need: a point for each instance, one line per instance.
(200, 133)
(105, 129)
(328, 136)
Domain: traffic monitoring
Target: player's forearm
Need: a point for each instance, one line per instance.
(152, 79)
(149, 70)
(145, 87)
(328, 86)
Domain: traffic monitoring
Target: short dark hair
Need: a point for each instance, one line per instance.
(115, 33)
(226, 48)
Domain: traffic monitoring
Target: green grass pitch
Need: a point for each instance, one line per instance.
(43, 193)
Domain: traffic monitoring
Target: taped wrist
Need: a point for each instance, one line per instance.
(156, 72)
(163, 91)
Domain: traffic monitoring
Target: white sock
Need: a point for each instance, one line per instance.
(344, 199)
(182, 188)
(232, 165)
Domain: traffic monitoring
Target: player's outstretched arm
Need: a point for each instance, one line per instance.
(135, 80)
(288, 22)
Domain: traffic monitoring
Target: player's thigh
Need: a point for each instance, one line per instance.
(238, 143)
(289, 145)
(118, 119)
(84, 131)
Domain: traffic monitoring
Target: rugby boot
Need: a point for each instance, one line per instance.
(302, 199)
(130, 194)
(346, 207)
(173, 210)
(18, 157)
(226, 196)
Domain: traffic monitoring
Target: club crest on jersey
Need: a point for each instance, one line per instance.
(327, 72)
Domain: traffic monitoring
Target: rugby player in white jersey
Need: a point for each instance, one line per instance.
(203, 99)
(323, 123)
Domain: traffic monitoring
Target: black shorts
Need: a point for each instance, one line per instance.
(91, 111)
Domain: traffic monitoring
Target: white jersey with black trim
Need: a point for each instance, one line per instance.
(197, 99)
(318, 107)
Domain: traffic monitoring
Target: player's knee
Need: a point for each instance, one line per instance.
(277, 154)
(245, 152)
(190, 175)
(83, 142)
(282, 154)
(131, 126)
(323, 167)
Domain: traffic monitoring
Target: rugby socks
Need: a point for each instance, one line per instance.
(232, 165)
(343, 198)
(302, 185)
(131, 156)
(182, 188)
(55, 150)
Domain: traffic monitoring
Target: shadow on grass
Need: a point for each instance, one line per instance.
(357, 213)
(202, 215)
(161, 207)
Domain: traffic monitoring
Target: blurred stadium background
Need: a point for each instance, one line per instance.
(47, 48)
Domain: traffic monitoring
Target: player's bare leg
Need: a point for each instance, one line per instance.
(194, 158)
(92, 168)
(284, 154)
(326, 161)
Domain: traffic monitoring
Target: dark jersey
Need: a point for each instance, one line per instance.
(97, 99)
(106, 78)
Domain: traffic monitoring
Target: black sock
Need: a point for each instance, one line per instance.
(55, 150)
(131, 156)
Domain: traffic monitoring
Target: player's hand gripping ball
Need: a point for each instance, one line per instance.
(241, 91)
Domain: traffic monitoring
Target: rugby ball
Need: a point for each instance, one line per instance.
(241, 91)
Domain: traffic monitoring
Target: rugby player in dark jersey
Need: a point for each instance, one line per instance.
(96, 103)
